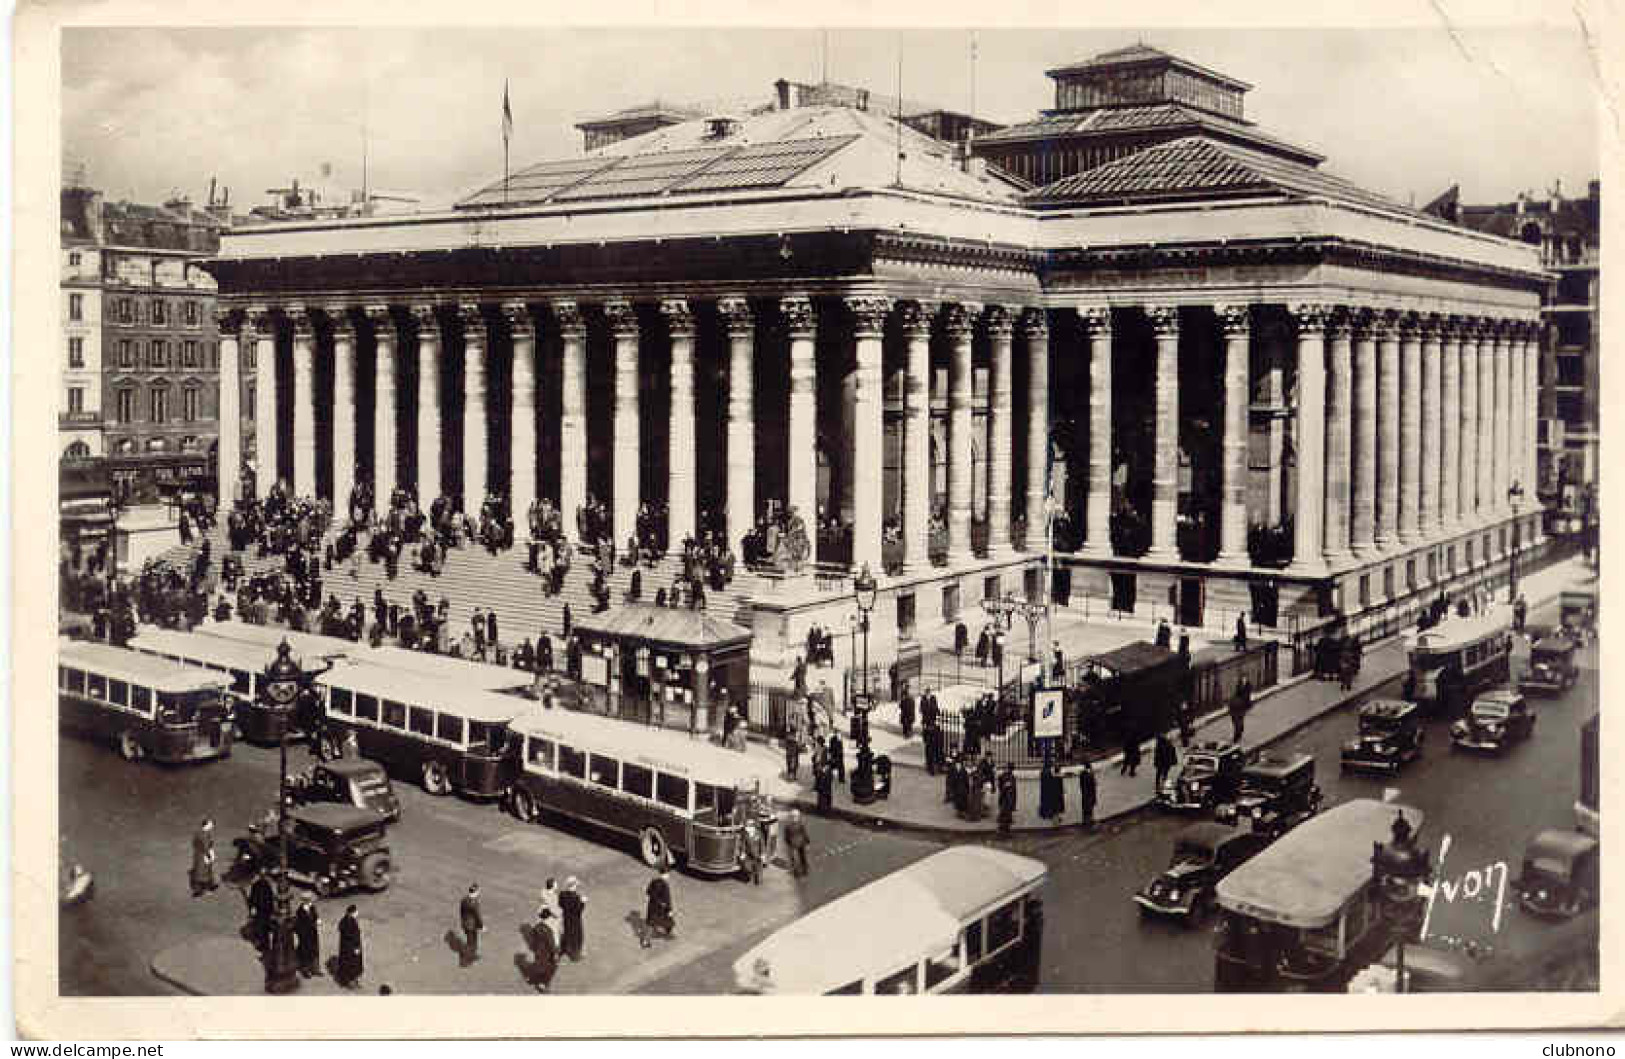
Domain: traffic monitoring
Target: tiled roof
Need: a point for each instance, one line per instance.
(1199, 166)
(1140, 53)
(690, 628)
(1107, 120)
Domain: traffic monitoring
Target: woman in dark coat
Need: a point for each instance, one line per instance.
(546, 948)
(657, 914)
(1051, 795)
(573, 906)
(350, 962)
(307, 939)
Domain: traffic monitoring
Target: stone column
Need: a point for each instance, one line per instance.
(681, 498)
(1450, 424)
(229, 454)
(1363, 518)
(1310, 498)
(1165, 466)
(1339, 437)
(1097, 519)
(384, 406)
(524, 456)
(868, 436)
(1235, 321)
(1389, 418)
(1035, 332)
(1531, 413)
(1501, 380)
(304, 401)
(344, 426)
(1515, 416)
(572, 411)
(958, 321)
(1410, 431)
(1467, 486)
(916, 325)
(802, 326)
(475, 462)
(1487, 502)
(1000, 326)
(259, 329)
(739, 323)
(427, 321)
(623, 327)
(1431, 426)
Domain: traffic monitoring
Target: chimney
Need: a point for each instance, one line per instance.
(1557, 196)
(1523, 197)
(782, 87)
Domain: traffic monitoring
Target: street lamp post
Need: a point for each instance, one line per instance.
(1001, 609)
(864, 592)
(280, 687)
(1515, 498)
(1397, 870)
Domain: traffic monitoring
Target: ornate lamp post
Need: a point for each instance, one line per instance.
(1515, 498)
(865, 590)
(280, 688)
(1002, 610)
(1397, 870)
(1034, 613)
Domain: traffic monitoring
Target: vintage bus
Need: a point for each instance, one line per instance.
(1302, 916)
(1451, 663)
(470, 674)
(307, 647)
(446, 736)
(241, 664)
(967, 919)
(679, 797)
(147, 706)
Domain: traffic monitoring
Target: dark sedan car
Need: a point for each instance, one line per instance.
(1496, 720)
(1203, 854)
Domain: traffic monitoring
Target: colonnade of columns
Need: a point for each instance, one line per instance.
(479, 328)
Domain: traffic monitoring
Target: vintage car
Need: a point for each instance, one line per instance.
(1204, 853)
(1496, 720)
(1278, 793)
(348, 781)
(1551, 666)
(1209, 774)
(1559, 874)
(331, 848)
(1390, 734)
(1577, 609)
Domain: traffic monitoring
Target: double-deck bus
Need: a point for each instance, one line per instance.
(448, 737)
(241, 664)
(1451, 663)
(1303, 915)
(146, 706)
(967, 919)
(679, 797)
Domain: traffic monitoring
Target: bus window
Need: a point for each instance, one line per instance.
(941, 967)
(1003, 926)
(96, 686)
(672, 791)
(487, 737)
(366, 707)
(717, 800)
(973, 942)
(141, 698)
(539, 752)
(394, 714)
(898, 983)
(572, 762)
(118, 693)
(849, 989)
(422, 721)
(606, 771)
(339, 700)
(447, 726)
(242, 684)
(76, 680)
(635, 779)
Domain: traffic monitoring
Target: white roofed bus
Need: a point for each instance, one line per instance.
(146, 706)
(680, 798)
(965, 919)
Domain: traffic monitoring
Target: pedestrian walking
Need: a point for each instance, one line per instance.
(351, 965)
(658, 914)
(1007, 798)
(792, 754)
(750, 852)
(472, 922)
(905, 713)
(837, 757)
(545, 949)
(823, 787)
(307, 939)
(1051, 793)
(1087, 793)
(573, 908)
(261, 903)
(550, 900)
(795, 837)
(1239, 705)
(1241, 633)
(1163, 758)
(202, 876)
(1131, 756)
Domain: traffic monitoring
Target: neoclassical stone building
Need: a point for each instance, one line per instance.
(1260, 388)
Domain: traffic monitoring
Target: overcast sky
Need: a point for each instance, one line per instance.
(1404, 112)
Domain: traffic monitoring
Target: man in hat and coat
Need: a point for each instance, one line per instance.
(472, 923)
(307, 939)
(351, 965)
(203, 879)
(1087, 793)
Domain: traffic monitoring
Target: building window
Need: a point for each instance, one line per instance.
(1365, 590)
(126, 406)
(159, 354)
(77, 451)
(189, 443)
(156, 445)
(73, 259)
(1388, 582)
(191, 317)
(188, 354)
(76, 352)
(160, 406)
(189, 404)
(1450, 560)
(248, 399)
(158, 314)
(126, 310)
(1410, 575)
(126, 353)
(1469, 552)
(123, 447)
(76, 306)
(76, 399)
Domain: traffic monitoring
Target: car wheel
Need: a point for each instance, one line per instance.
(435, 780)
(374, 871)
(652, 845)
(129, 747)
(324, 885)
(524, 805)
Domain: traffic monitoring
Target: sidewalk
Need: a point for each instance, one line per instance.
(917, 800)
